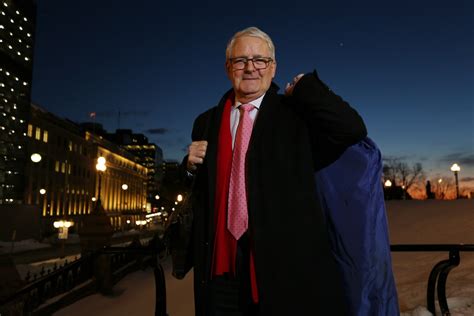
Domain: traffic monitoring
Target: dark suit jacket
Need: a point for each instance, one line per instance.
(292, 137)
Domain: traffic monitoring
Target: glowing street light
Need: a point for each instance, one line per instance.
(179, 198)
(455, 168)
(36, 157)
(101, 167)
(125, 187)
(388, 183)
(157, 197)
(42, 191)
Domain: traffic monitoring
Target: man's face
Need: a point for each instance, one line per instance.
(250, 83)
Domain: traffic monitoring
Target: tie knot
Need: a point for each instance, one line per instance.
(247, 107)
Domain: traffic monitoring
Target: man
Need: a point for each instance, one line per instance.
(260, 245)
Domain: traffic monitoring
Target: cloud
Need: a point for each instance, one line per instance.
(466, 179)
(157, 131)
(461, 158)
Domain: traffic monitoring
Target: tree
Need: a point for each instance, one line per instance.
(401, 174)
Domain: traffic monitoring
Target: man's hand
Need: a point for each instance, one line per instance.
(290, 86)
(196, 154)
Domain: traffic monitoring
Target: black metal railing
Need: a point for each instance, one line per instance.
(40, 295)
(439, 273)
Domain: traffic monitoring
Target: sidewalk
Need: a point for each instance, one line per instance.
(135, 295)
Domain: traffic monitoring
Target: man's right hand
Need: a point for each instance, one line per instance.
(196, 154)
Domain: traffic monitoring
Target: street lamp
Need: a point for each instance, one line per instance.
(179, 198)
(42, 191)
(101, 167)
(455, 168)
(388, 183)
(36, 157)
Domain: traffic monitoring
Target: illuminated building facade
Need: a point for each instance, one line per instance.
(64, 183)
(17, 28)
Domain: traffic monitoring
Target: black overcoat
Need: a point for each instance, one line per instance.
(292, 137)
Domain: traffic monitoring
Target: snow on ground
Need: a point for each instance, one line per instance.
(432, 222)
(20, 246)
(36, 267)
(409, 222)
(135, 295)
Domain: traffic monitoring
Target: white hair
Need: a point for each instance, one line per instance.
(253, 32)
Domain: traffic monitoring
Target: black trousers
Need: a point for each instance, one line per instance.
(231, 295)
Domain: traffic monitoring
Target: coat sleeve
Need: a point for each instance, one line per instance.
(332, 123)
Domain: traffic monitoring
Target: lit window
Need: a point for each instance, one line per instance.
(63, 167)
(56, 166)
(70, 145)
(45, 136)
(38, 133)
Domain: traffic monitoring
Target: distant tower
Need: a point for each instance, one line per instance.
(17, 30)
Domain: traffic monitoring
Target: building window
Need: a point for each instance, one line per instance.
(56, 167)
(30, 130)
(45, 136)
(70, 145)
(38, 133)
(63, 167)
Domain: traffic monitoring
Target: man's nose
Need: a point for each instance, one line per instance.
(249, 67)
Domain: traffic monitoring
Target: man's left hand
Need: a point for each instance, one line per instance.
(290, 86)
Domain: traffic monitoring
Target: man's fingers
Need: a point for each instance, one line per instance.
(196, 154)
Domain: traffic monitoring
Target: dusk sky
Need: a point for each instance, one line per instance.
(406, 66)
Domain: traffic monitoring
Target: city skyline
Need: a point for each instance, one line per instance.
(407, 69)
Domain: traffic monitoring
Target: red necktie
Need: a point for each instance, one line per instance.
(237, 217)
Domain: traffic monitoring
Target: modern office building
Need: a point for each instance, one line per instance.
(147, 154)
(17, 30)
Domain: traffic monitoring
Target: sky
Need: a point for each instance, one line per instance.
(406, 66)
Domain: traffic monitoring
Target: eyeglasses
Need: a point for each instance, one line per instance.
(259, 63)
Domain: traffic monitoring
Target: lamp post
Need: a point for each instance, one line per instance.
(455, 168)
(122, 204)
(101, 167)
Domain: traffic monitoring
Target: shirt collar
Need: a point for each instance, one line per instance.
(256, 103)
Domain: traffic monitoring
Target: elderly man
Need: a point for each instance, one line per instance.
(260, 245)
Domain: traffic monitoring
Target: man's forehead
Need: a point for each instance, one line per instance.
(254, 43)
